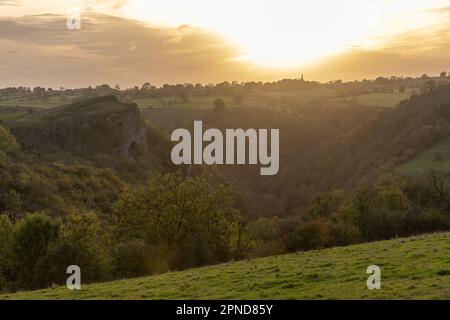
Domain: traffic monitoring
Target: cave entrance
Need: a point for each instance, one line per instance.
(133, 150)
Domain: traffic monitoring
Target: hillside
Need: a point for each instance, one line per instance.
(435, 157)
(411, 268)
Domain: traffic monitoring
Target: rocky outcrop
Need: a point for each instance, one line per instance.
(88, 128)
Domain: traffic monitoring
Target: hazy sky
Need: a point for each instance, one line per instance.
(131, 42)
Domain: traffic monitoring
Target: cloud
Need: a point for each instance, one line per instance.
(112, 50)
(409, 54)
(10, 3)
(40, 50)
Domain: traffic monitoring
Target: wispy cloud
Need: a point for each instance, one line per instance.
(112, 50)
(10, 2)
(410, 53)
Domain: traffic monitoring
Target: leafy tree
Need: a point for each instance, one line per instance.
(32, 239)
(82, 242)
(219, 105)
(428, 86)
(323, 206)
(314, 234)
(8, 143)
(193, 218)
(136, 258)
(6, 236)
(12, 204)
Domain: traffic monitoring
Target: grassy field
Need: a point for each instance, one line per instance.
(195, 103)
(436, 157)
(411, 268)
(8, 117)
(37, 103)
(386, 100)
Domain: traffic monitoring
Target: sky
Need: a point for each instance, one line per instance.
(129, 42)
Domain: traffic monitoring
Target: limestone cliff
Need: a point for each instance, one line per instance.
(88, 128)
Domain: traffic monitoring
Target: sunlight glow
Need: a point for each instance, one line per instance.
(288, 33)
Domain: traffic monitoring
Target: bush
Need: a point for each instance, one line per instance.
(31, 241)
(342, 234)
(432, 220)
(314, 234)
(6, 237)
(265, 239)
(136, 258)
(82, 242)
(219, 105)
(8, 143)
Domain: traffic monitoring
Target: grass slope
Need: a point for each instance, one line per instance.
(426, 160)
(411, 268)
(385, 100)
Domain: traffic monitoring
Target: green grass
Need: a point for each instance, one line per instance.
(427, 159)
(37, 103)
(386, 100)
(8, 117)
(411, 268)
(195, 103)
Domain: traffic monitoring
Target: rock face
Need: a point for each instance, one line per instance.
(88, 128)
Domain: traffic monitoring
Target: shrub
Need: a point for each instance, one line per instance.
(314, 234)
(219, 105)
(136, 258)
(31, 241)
(6, 236)
(82, 242)
(8, 143)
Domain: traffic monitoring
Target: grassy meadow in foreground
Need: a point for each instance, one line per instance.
(411, 268)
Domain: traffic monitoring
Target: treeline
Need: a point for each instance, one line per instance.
(56, 215)
(234, 89)
(401, 207)
(168, 224)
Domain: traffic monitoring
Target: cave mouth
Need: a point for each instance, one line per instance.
(133, 150)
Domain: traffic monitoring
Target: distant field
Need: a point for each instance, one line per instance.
(195, 103)
(437, 156)
(7, 117)
(386, 100)
(411, 268)
(37, 103)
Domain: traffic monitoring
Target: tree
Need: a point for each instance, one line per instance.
(428, 86)
(443, 74)
(8, 143)
(12, 204)
(6, 236)
(32, 239)
(323, 206)
(219, 105)
(194, 219)
(82, 242)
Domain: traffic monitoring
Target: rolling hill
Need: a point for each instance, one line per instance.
(411, 268)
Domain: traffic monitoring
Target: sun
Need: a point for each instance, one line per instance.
(287, 33)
